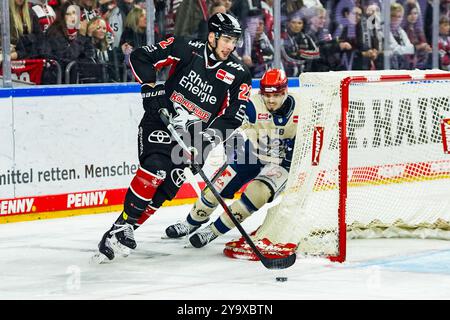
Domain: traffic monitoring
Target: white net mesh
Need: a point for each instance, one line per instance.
(398, 173)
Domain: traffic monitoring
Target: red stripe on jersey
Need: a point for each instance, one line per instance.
(225, 104)
(172, 68)
(166, 62)
(134, 73)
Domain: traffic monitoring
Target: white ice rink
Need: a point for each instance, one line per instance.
(49, 259)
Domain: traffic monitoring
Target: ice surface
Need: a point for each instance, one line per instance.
(49, 259)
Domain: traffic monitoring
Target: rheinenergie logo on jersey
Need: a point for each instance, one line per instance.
(194, 84)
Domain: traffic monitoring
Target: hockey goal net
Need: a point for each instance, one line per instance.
(371, 159)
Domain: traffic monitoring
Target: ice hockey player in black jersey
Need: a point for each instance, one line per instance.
(206, 94)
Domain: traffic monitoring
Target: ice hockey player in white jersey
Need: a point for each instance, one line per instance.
(262, 160)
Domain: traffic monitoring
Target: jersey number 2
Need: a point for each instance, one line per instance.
(244, 92)
(165, 43)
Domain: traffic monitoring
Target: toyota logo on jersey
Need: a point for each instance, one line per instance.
(178, 176)
(159, 136)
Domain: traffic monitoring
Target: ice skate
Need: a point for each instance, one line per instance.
(203, 237)
(181, 229)
(118, 240)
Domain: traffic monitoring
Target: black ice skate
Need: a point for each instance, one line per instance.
(117, 240)
(203, 237)
(181, 229)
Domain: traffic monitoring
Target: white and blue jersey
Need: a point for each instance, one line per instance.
(272, 135)
(271, 138)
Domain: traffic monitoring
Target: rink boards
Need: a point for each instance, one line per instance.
(71, 150)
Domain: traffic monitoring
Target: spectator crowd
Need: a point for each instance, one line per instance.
(91, 40)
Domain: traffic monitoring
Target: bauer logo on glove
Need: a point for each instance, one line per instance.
(153, 94)
(153, 98)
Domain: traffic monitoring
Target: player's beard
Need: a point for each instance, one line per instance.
(276, 103)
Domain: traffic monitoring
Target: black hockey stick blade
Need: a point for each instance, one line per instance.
(279, 263)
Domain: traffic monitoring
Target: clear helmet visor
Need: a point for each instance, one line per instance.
(234, 38)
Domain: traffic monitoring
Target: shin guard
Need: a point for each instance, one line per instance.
(145, 215)
(203, 208)
(141, 191)
(255, 196)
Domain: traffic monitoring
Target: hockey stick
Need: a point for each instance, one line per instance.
(269, 263)
(217, 174)
(194, 183)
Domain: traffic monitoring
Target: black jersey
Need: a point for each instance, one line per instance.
(215, 92)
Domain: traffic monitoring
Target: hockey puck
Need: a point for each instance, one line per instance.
(281, 279)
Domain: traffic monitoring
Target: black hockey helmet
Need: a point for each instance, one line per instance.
(224, 24)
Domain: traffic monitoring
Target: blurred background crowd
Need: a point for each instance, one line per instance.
(89, 41)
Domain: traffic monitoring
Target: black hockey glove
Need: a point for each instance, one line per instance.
(289, 152)
(153, 99)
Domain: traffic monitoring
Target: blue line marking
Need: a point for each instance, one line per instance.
(92, 89)
(429, 262)
(40, 91)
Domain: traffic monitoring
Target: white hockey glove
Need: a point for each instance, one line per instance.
(183, 120)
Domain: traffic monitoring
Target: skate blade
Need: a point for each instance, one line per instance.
(165, 237)
(120, 249)
(98, 258)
